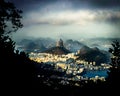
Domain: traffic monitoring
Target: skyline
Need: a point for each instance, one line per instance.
(69, 18)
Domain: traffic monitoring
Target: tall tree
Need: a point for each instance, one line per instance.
(10, 21)
(17, 69)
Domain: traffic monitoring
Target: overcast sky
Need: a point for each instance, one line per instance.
(72, 19)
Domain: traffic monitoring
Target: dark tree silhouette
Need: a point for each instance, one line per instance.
(10, 18)
(17, 69)
(113, 78)
(10, 21)
(115, 51)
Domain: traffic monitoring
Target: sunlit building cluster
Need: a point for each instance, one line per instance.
(69, 64)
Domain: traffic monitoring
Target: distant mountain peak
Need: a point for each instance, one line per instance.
(59, 49)
(59, 43)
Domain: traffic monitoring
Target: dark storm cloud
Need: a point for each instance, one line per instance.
(43, 16)
(110, 16)
(29, 4)
(98, 3)
(56, 6)
(105, 3)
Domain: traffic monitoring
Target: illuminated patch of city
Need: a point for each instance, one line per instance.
(70, 64)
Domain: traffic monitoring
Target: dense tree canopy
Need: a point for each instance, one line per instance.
(10, 18)
(113, 78)
(115, 51)
(10, 21)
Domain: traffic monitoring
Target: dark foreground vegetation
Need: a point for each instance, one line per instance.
(19, 73)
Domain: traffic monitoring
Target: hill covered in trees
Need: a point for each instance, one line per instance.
(94, 55)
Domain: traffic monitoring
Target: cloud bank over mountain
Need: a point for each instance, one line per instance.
(69, 18)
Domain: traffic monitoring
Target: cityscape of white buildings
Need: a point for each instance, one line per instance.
(70, 65)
